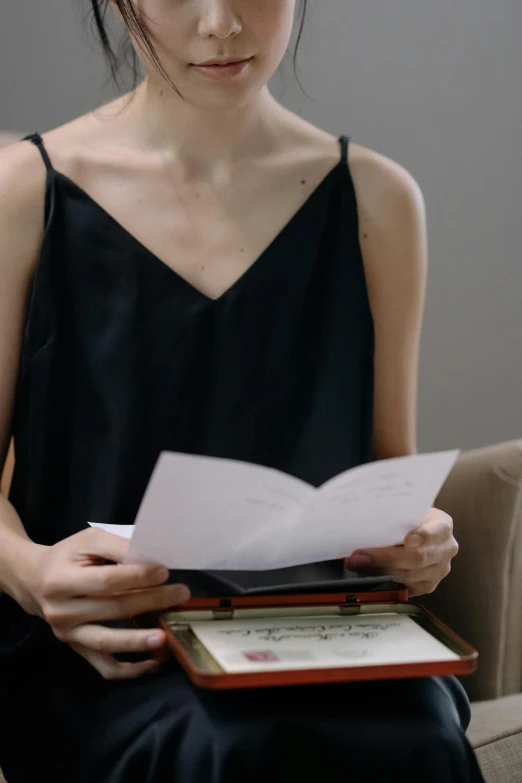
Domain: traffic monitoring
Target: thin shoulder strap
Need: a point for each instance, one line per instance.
(344, 140)
(37, 140)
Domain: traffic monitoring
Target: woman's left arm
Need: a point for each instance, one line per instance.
(393, 239)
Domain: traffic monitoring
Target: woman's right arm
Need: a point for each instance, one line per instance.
(80, 581)
(22, 193)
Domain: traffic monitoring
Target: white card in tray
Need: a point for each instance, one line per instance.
(318, 642)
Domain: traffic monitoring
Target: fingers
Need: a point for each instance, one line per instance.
(436, 528)
(433, 565)
(424, 546)
(421, 562)
(421, 588)
(393, 558)
(114, 640)
(111, 669)
(151, 600)
(63, 614)
(426, 576)
(109, 580)
(101, 544)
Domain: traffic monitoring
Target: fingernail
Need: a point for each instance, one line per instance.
(155, 640)
(358, 561)
(180, 594)
(414, 541)
(161, 573)
(152, 669)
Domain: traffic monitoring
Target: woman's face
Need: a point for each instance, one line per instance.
(186, 33)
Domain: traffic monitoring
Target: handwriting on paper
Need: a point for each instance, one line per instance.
(385, 487)
(322, 632)
(318, 642)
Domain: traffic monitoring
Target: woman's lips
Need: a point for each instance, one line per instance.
(220, 71)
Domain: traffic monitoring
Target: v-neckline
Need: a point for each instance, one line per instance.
(176, 275)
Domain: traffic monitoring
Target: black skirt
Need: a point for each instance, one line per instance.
(66, 724)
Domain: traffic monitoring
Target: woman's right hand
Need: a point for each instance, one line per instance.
(71, 586)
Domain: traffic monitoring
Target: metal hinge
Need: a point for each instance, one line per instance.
(222, 614)
(351, 605)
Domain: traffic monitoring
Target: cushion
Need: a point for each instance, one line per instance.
(495, 732)
(481, 597)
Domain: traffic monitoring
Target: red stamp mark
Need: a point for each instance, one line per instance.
(263, 656)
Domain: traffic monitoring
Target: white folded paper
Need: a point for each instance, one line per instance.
(211, 513)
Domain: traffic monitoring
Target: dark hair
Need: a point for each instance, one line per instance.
(124, 54)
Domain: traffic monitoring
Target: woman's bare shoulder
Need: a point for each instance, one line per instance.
(22, 184)
(23, 179)
(379, 180)
(22, 170)
(376, 177)
(390, 206)
(74, 145)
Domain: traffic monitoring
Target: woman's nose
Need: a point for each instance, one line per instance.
(219, 18)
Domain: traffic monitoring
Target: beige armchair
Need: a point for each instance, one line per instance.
(482, 597)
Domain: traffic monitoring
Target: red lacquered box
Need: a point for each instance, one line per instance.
(381, 598)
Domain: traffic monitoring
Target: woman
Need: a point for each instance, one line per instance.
(196, 268)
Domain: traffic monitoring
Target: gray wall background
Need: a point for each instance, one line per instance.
(433, 85)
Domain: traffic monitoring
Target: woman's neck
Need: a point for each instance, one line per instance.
(200, 139)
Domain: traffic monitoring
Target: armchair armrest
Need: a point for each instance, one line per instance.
(482, 597)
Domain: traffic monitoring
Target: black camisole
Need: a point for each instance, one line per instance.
(123, 358)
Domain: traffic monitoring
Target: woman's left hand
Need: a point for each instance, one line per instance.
(421, 562)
